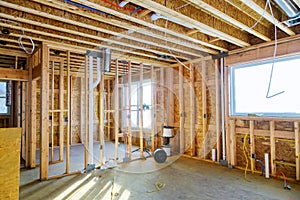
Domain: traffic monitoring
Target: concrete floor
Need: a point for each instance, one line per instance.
(184, 178)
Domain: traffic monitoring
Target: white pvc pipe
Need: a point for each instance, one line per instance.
(223, 110)
(92, 85)
(267, 174)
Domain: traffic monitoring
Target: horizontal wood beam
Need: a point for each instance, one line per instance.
(36, 72)
(14, 74)
(203, 28)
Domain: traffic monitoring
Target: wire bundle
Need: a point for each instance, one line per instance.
(22, 36)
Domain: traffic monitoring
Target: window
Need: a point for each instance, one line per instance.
(135, 102)
(250, 85)
(4, 109)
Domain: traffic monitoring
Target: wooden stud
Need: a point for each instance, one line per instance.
(116, 110)
(162, 106)
(24, 143)
(61, 113)
(272, 147)
(170, 97)
(192, 109)
(141, 112)
(128, 117)
(232, 143)
(252, 144)
(108, 107)
(204, 109)
(101, 116)
(44, 113)
(226, 99)
(69, 131)
(297, 150)
(153, 110)
(181, 112)
(51, 113)
(86, 106)
(218, 109)
(32, 125)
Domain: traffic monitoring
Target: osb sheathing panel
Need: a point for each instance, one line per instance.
(9, 162)
(76, 110)
(285, 151)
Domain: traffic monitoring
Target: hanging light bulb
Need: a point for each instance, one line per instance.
(5, 31)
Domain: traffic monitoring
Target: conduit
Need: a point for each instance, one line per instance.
(223, 109)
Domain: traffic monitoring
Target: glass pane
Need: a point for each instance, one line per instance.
(3, 107)
(147, 119)
(2, 89)
(250, 86)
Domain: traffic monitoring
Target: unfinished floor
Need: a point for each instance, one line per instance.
(185, 178)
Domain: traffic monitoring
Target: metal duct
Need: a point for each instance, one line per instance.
(289, 7)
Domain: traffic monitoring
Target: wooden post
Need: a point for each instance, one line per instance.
(17, 104)
(181, 112)
(204, 108)
(25, 142)
(252, 144)
(86, 123)
(192, 109)
(61, 112)
(32, 125)
(116, 110)
(141, 112)
(162, 99)
(128, 116)
(153, 102)
(69, 132)
(101, 115)
(226, 98)
(297, 150)
(52, 113)
(44, 113)
(232, 142)
(218, 109)
(108, 103)
(272, 147)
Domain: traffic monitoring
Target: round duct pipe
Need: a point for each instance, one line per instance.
(288, 6)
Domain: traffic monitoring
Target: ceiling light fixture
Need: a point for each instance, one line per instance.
(5, 31)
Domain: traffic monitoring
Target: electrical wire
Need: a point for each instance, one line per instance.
(23, 35)
(245, 154)
(165, 35)
(274, 55)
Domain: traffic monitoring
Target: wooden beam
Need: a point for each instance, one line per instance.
(181, 110)
(204, 5)
(218, 109)
(192, 110)
(51, 112)
(204, 108)
(116, 108)
(272, 147)
(232, 143)
(86, 121)
(101, 116)
(61, 113)
(254, 6)
(297, 149)
(128, 117)
(13, 74)
(32, 124)
(141, 112)
(36, 72)
(203, 28)
(94, 28)
(153, 110)
(252, 145)
(69, 103)
(44, 114)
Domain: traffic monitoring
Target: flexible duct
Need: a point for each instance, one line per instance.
(289, 7)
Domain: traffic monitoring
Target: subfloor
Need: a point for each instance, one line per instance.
(177, 178)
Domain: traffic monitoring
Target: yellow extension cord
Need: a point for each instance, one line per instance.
(246, 154)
